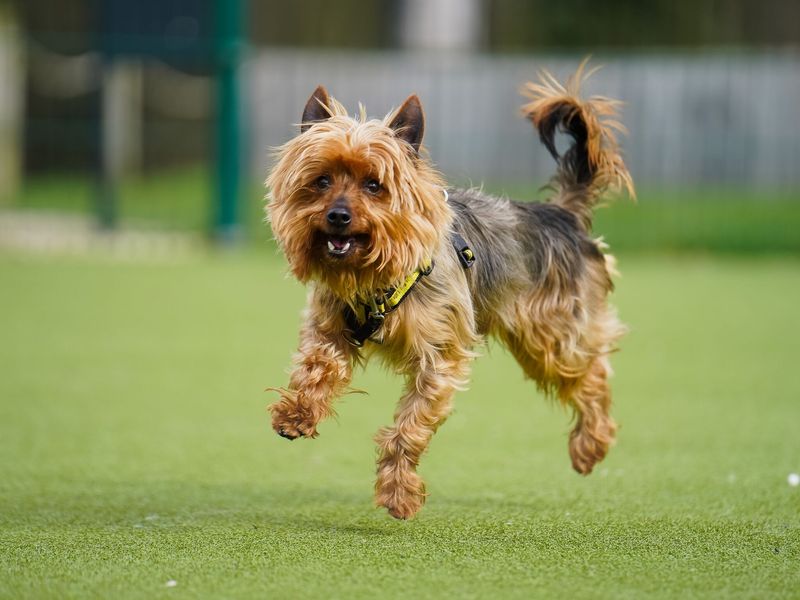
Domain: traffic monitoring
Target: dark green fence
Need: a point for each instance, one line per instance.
(100, 120)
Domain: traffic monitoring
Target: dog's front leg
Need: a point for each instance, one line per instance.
(322, 370)
(422, 409)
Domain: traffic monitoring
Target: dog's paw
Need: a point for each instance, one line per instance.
(291, 421)
(583, 462)
(587, 447)
(403, 497)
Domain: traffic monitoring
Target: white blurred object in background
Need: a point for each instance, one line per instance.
(441, 24)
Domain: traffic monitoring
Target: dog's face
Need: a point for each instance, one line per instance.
(352, 202)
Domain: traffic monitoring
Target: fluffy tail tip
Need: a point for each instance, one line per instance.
(593, 163)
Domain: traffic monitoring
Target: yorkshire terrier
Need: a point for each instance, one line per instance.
(400, 265)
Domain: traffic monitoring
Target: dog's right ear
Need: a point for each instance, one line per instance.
(316, 108)
(409, 122)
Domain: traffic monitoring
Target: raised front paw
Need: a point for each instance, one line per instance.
(291, 420)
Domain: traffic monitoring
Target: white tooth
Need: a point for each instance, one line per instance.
(346, 247)
(331, 247)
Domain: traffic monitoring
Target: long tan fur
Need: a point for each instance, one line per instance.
(539, 283)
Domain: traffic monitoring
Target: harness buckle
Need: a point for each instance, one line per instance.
(465, 254)
(466, 257)
(376, 317)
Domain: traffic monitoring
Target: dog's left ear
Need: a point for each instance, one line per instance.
(409, 122)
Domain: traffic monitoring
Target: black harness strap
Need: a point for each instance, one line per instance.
(358, 331)
(360, 328)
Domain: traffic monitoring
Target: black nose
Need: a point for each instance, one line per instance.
(339, 217)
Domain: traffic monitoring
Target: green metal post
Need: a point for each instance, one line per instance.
(229, 49)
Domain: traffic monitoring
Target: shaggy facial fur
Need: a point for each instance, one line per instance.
(356, 208)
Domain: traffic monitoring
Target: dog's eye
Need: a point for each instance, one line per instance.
(323, 182)
(373, 186)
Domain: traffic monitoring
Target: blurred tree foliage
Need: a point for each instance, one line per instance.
(510, 25)
(67, 27)
(519, 25)
(516, 25)
(325, 23)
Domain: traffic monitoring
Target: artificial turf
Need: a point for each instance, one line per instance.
(135, 447)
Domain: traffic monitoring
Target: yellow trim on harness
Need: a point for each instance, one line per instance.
(364, 318)
(387, 304)
(401, 291)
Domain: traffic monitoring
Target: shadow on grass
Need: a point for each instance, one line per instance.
(160, 505)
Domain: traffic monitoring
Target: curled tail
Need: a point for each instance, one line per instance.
(593, 164)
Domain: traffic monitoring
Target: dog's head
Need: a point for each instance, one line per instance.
(352, 202)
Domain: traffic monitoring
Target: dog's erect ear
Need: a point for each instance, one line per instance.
(315, 109)
(409, 122)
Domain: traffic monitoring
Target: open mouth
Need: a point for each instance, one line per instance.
(340, 246)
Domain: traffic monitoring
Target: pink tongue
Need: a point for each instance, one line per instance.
(339, 243)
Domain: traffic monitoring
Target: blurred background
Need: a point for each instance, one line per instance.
(144, 307)
(158, 115)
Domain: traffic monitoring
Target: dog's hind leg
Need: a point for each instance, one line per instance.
(568, 358)
(589, 393)
(594, 430)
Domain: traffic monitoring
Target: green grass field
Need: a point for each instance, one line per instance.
(135, 447)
